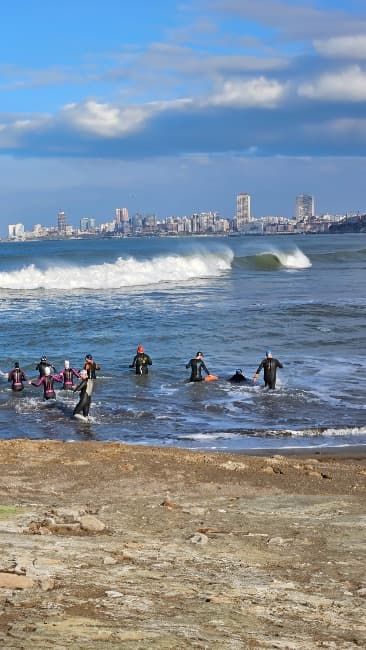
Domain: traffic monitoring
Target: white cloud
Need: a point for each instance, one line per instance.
(103, 119)
(260, 92)
(352, 47)
(348, 85)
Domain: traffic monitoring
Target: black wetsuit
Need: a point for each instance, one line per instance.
(196, 366)
(238, 378)
(141, 362)
(17, 376)
(91, 367)
(41, 367)
(86, 388)
(269, 366)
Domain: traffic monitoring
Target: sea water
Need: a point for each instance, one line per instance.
(302, 296)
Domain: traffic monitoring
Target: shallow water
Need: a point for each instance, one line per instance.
(304, 297)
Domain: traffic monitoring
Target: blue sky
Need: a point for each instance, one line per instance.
(172, 107)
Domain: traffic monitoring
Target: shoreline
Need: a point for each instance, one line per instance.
(106, 544)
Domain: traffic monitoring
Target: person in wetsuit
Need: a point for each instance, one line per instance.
(42, 365)
(197, 365)
(67, 375)
(17, 376)
(47, 380)
(86, 388)
(269, 366)
(91, 366)
(238, 377)
(141, 361)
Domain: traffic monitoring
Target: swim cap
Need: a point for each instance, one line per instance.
(89, 357)
(140, 349)
(239, 370)
(199, 354)
(16, 364)
(47, 371)
(84, 373)
(268, 352)
(43, 358)
(67, 363)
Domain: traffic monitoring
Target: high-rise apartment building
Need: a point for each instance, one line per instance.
(304, 207)
(61, 223)
(121, 215)
(242, 210)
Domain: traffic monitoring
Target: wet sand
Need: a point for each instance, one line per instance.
(105, 545)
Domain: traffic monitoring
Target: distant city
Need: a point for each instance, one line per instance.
(305, 221)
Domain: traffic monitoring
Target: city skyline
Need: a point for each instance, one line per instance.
(171, 107)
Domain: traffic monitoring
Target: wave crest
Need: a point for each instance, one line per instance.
(124, 272)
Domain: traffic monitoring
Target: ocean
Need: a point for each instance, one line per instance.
(302, 296)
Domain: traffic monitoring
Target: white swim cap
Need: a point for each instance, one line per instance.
(47, 371)
(67, 363)
(84, 373)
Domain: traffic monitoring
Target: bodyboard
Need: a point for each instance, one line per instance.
(211, 378)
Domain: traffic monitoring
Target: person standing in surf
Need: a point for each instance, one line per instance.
(91, 366)
(197, 365)
(86, 388)
(141, 361)
(42, 365)
(47, 380)
(269, 366)
(17, 376)
(67, 375)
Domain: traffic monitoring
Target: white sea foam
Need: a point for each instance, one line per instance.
(124, 272)
(294, 259)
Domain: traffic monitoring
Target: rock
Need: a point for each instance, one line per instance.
(198, 538)
(109, 560)
(69, 515)
(47, 584)
(195, 510)
(14, 581)
(91, 524)
(113, 594)
(171, 505)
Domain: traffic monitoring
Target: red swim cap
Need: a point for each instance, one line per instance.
(140, 349)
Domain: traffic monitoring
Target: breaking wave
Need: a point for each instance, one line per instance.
(124, 272)
(275, 259)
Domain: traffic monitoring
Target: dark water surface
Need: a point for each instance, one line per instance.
(304, 297)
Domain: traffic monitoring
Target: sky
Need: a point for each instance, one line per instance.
(176, 106)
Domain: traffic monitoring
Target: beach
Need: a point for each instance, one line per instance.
(107, 545)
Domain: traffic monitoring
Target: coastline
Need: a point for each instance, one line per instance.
(114, 545)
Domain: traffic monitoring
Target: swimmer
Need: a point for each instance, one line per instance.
(42, 365)
(47, 380)
(197, 365)
(141, 361)
(86, 388)
(17, 376)
(67, 374)
(91, 366)
(238, 377)
(269, 366)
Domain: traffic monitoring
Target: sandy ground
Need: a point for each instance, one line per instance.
(105, 545)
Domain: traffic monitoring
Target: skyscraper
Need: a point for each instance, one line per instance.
(304, 207)
(242, 210)
(61, 223)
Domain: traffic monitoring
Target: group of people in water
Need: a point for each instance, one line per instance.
(48, 376)
(141, 362)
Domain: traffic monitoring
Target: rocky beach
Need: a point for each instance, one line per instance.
(105, 545)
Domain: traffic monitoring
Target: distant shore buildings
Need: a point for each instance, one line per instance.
(203, 223)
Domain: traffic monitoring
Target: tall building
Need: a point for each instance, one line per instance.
(242, 210)
(16, 231)
(121, 215)
(304, 207)
(61, 223)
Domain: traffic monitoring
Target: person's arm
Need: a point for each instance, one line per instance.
(132, 365)
(279, 364)
(39, 382)
(10, 376)
(80, 385)
(257, 372)
(189, 364)
(205, 368)
(75, 372)
(58, 378)
(149, 362)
